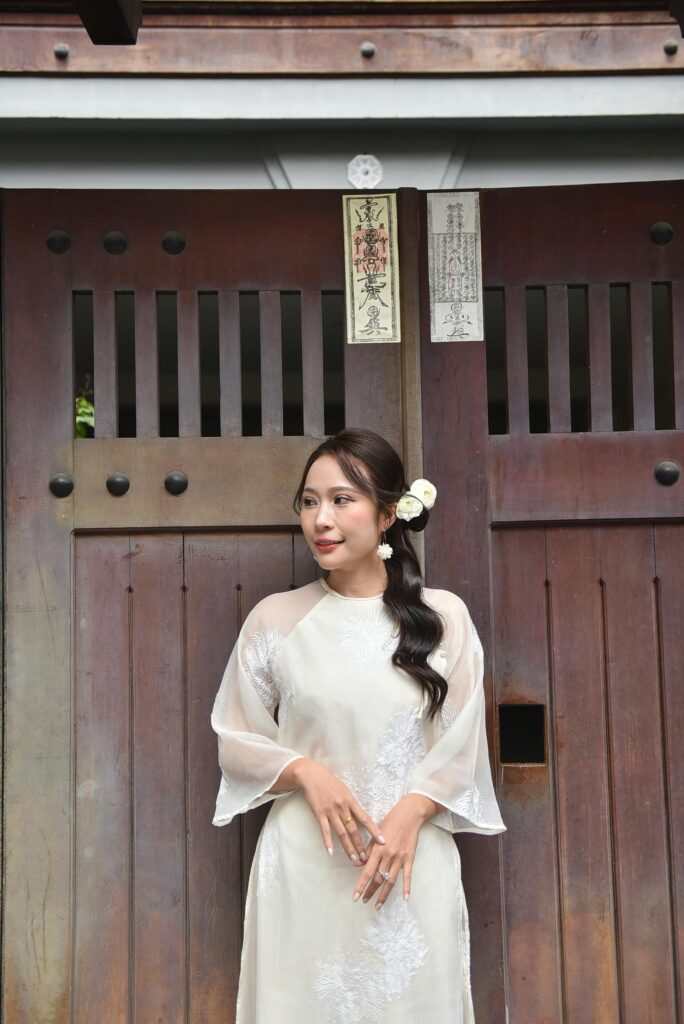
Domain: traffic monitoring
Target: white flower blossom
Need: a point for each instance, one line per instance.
(424, 490)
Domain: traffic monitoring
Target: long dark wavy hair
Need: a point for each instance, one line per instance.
(420, 627)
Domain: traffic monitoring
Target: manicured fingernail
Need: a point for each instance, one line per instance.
(356, 896)
(377, 906)
(405, 895)
(381, 839)
(354, 858)
(364, 856)
(330, 850)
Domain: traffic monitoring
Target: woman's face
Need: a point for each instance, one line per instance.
(341, 524)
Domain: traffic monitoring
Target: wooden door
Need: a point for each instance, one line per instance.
(133, 556)
(558, 445)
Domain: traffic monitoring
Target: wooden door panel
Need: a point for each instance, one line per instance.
(158, 898)
(578, 629)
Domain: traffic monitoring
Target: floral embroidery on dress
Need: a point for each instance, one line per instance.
(477, 643)
(448, 713)
(357, 986)
(259, 655)
(367, 638)
(378, 787)
(269, 857)
(469, 805)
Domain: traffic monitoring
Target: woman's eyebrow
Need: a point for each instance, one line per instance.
(340, 487)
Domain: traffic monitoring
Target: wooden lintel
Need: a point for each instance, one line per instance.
(111, 22)
(677, 11)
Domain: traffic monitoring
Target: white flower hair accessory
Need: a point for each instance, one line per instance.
(421, 494)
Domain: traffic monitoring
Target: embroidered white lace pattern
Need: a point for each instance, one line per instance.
(448, 713)
(378, 787)
(269, 857)
(259, 655)
(477, 643)
(357, 986)
(367, 638)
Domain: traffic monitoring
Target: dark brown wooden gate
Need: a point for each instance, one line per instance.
(552, 445)
(125, 593)
(121, 901)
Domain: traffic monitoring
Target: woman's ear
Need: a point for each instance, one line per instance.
(391, 517)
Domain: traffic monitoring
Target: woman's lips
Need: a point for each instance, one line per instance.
(325, 544)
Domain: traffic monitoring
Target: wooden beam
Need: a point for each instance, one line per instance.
(110, 22)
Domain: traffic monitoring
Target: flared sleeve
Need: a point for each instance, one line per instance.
(250, 754)
(455, 772)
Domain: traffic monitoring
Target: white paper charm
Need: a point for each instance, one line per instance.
(371, 269)
(455, 262)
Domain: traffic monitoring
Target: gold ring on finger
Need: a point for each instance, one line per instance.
(345, 820)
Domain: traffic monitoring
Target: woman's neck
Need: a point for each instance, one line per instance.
(359, 582)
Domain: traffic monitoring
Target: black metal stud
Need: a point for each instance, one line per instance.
(61, 51)
(173, 243)
(661, 232)
(58, 242)
(61, 485)
(670, 46)
(176, 481)
(118, 484)
(115, 242)
(667, 472)
(368, 49)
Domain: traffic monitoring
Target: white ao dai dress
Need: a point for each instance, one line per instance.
(310, 955)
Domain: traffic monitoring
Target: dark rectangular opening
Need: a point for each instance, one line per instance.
(522, 734)
(83, 363)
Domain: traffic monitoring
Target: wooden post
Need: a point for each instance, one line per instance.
(111, 22)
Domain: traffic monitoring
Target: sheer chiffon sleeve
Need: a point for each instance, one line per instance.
(250, 754)
(455, 772)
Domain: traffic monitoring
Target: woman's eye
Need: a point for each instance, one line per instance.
(342, 497)
(307, 502)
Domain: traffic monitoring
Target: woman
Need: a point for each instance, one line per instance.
(355, 908)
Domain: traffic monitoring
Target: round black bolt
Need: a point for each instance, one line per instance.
(173, 243)
(58, 242)
(118, 484)
(671, 47)
(61, 51)
(61, 485)
(661, 232)
(368, 49)
(667, 472)
(176, 481)
(115, 242)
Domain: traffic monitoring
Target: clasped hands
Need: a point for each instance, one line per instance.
(392, 845)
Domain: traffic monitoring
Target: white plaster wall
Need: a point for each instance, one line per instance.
(127, 157)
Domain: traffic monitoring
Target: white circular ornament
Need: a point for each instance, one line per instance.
(364, 171)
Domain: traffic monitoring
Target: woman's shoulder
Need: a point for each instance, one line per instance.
(283, 608)
(445, 601)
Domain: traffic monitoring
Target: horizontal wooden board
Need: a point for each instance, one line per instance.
(232, 481)
(292, 49)
(554, 477)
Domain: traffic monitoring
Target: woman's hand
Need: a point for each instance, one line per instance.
(332, 802)
(400, 828)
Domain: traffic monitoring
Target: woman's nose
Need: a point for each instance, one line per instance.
(323, 515)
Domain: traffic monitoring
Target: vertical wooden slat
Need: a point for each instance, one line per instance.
(37, 759)
(558, 358)
(160, 772)
(214, 854)
(600, 381)
(677, 322)
(669, 555)
(580, 695)
(230, 363)
(189, 408)
(146, 364)
(271, 363)
(265, 561)
(104, 364)
(641, 348)
(455, 451)
(312, 363)
(639, 815)
(533, 919)
(517, 386)
(102, 835)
